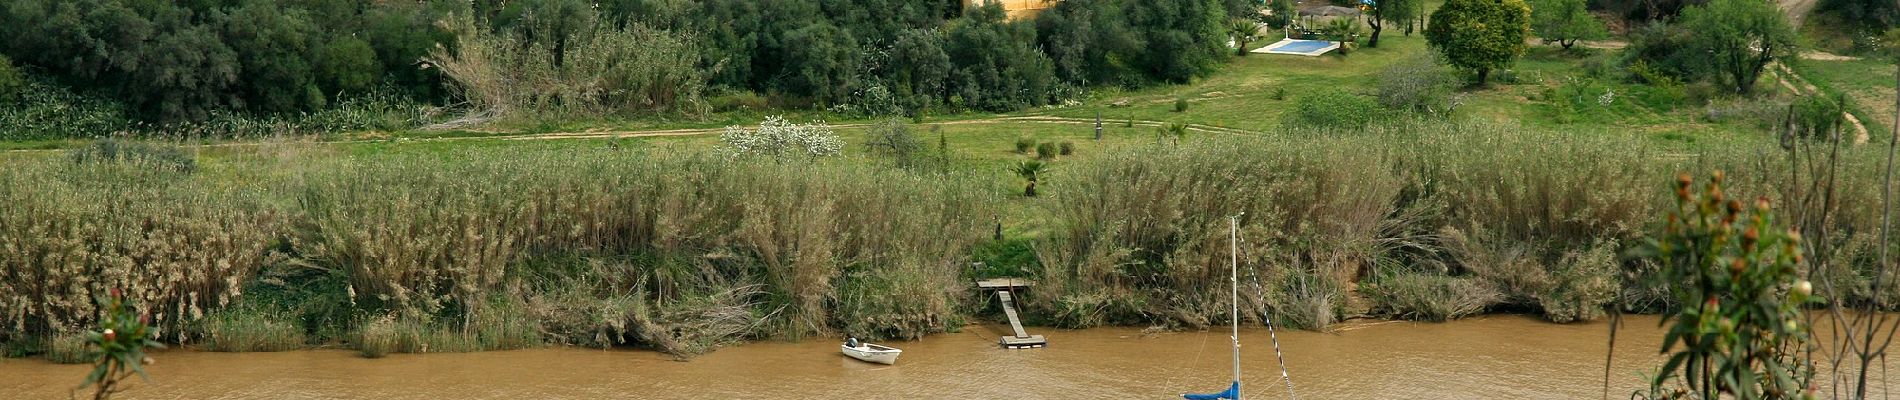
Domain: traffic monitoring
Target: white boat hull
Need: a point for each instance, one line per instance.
(872, 353)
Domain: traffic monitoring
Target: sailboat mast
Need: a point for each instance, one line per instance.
(1234, 284)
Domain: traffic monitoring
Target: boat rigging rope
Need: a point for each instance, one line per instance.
(1263, 315)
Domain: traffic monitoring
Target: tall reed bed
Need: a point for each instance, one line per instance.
(1426, 220)
(179, 245)
(1141, 236)
(832, 246)
(473, 248)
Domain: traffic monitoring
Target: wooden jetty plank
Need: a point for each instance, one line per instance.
(1009, 308)
(1004, 283)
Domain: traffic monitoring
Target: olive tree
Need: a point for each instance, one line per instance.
(1564, 22)
(779, 139)
(1393, 11)
(1480, 35)
(1739, 38)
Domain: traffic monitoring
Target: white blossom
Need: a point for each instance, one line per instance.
(780, 139)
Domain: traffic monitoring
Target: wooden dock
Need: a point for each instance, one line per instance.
(1004, 289)
(1004, 284)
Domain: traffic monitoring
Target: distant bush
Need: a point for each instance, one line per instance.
(1279, 93)
(1181, 104)
(159, 157)
(1418, 85)
(1428, 297)
(1665, 50)
(1601, 66)
(1067, 148)
(1759, 112)
(739, 101)
(1024, 145)
(251, 328)
(11, 82)
(892, 138)
(1046, 150)
(1700, 93)
(1335, 109)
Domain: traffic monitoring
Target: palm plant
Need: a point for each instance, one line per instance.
(1174, 131)
(1030, 171)
(1243, 30)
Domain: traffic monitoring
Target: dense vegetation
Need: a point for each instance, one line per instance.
(601, 245)
(230, 62)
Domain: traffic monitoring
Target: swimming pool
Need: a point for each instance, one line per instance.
(1299, 47)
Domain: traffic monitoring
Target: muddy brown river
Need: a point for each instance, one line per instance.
(1498, 357)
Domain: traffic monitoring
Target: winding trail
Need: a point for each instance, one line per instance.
(626, 134)
(1795, 83)
(1035, 119)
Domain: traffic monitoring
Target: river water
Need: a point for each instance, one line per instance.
(1498, 357)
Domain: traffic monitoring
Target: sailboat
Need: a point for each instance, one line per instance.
(1233, 390)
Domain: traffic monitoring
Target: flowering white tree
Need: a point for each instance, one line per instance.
(780, 139)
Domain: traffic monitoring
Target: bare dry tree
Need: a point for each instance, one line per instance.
(1861, 333)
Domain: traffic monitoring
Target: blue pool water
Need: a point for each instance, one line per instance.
(1303, 46)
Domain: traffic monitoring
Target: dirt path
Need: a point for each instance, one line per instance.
(1797, 10)
(1034, 119)
(622, 134)
(1793, 82)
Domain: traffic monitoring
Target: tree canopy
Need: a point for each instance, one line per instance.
(178, 61)
(1739, 38)
(1480, 35)
(1565, 22)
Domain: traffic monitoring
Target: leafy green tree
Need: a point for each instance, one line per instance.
(1739, 38)
(275, 49)
(348, 64)
(1387, 11)
(402, 32)
(1402, 13)
(998, 66)
(919, 78)
(11, 82)
(1480, 35)
(1284, 13)
(1865, 14)
(1086, 38)
(1564, 22)
(821, 61)
(1180, 39)
(163, 60)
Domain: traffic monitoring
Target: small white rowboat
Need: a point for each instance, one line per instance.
(872, 353)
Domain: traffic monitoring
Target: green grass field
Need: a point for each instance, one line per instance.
(1868, 83)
